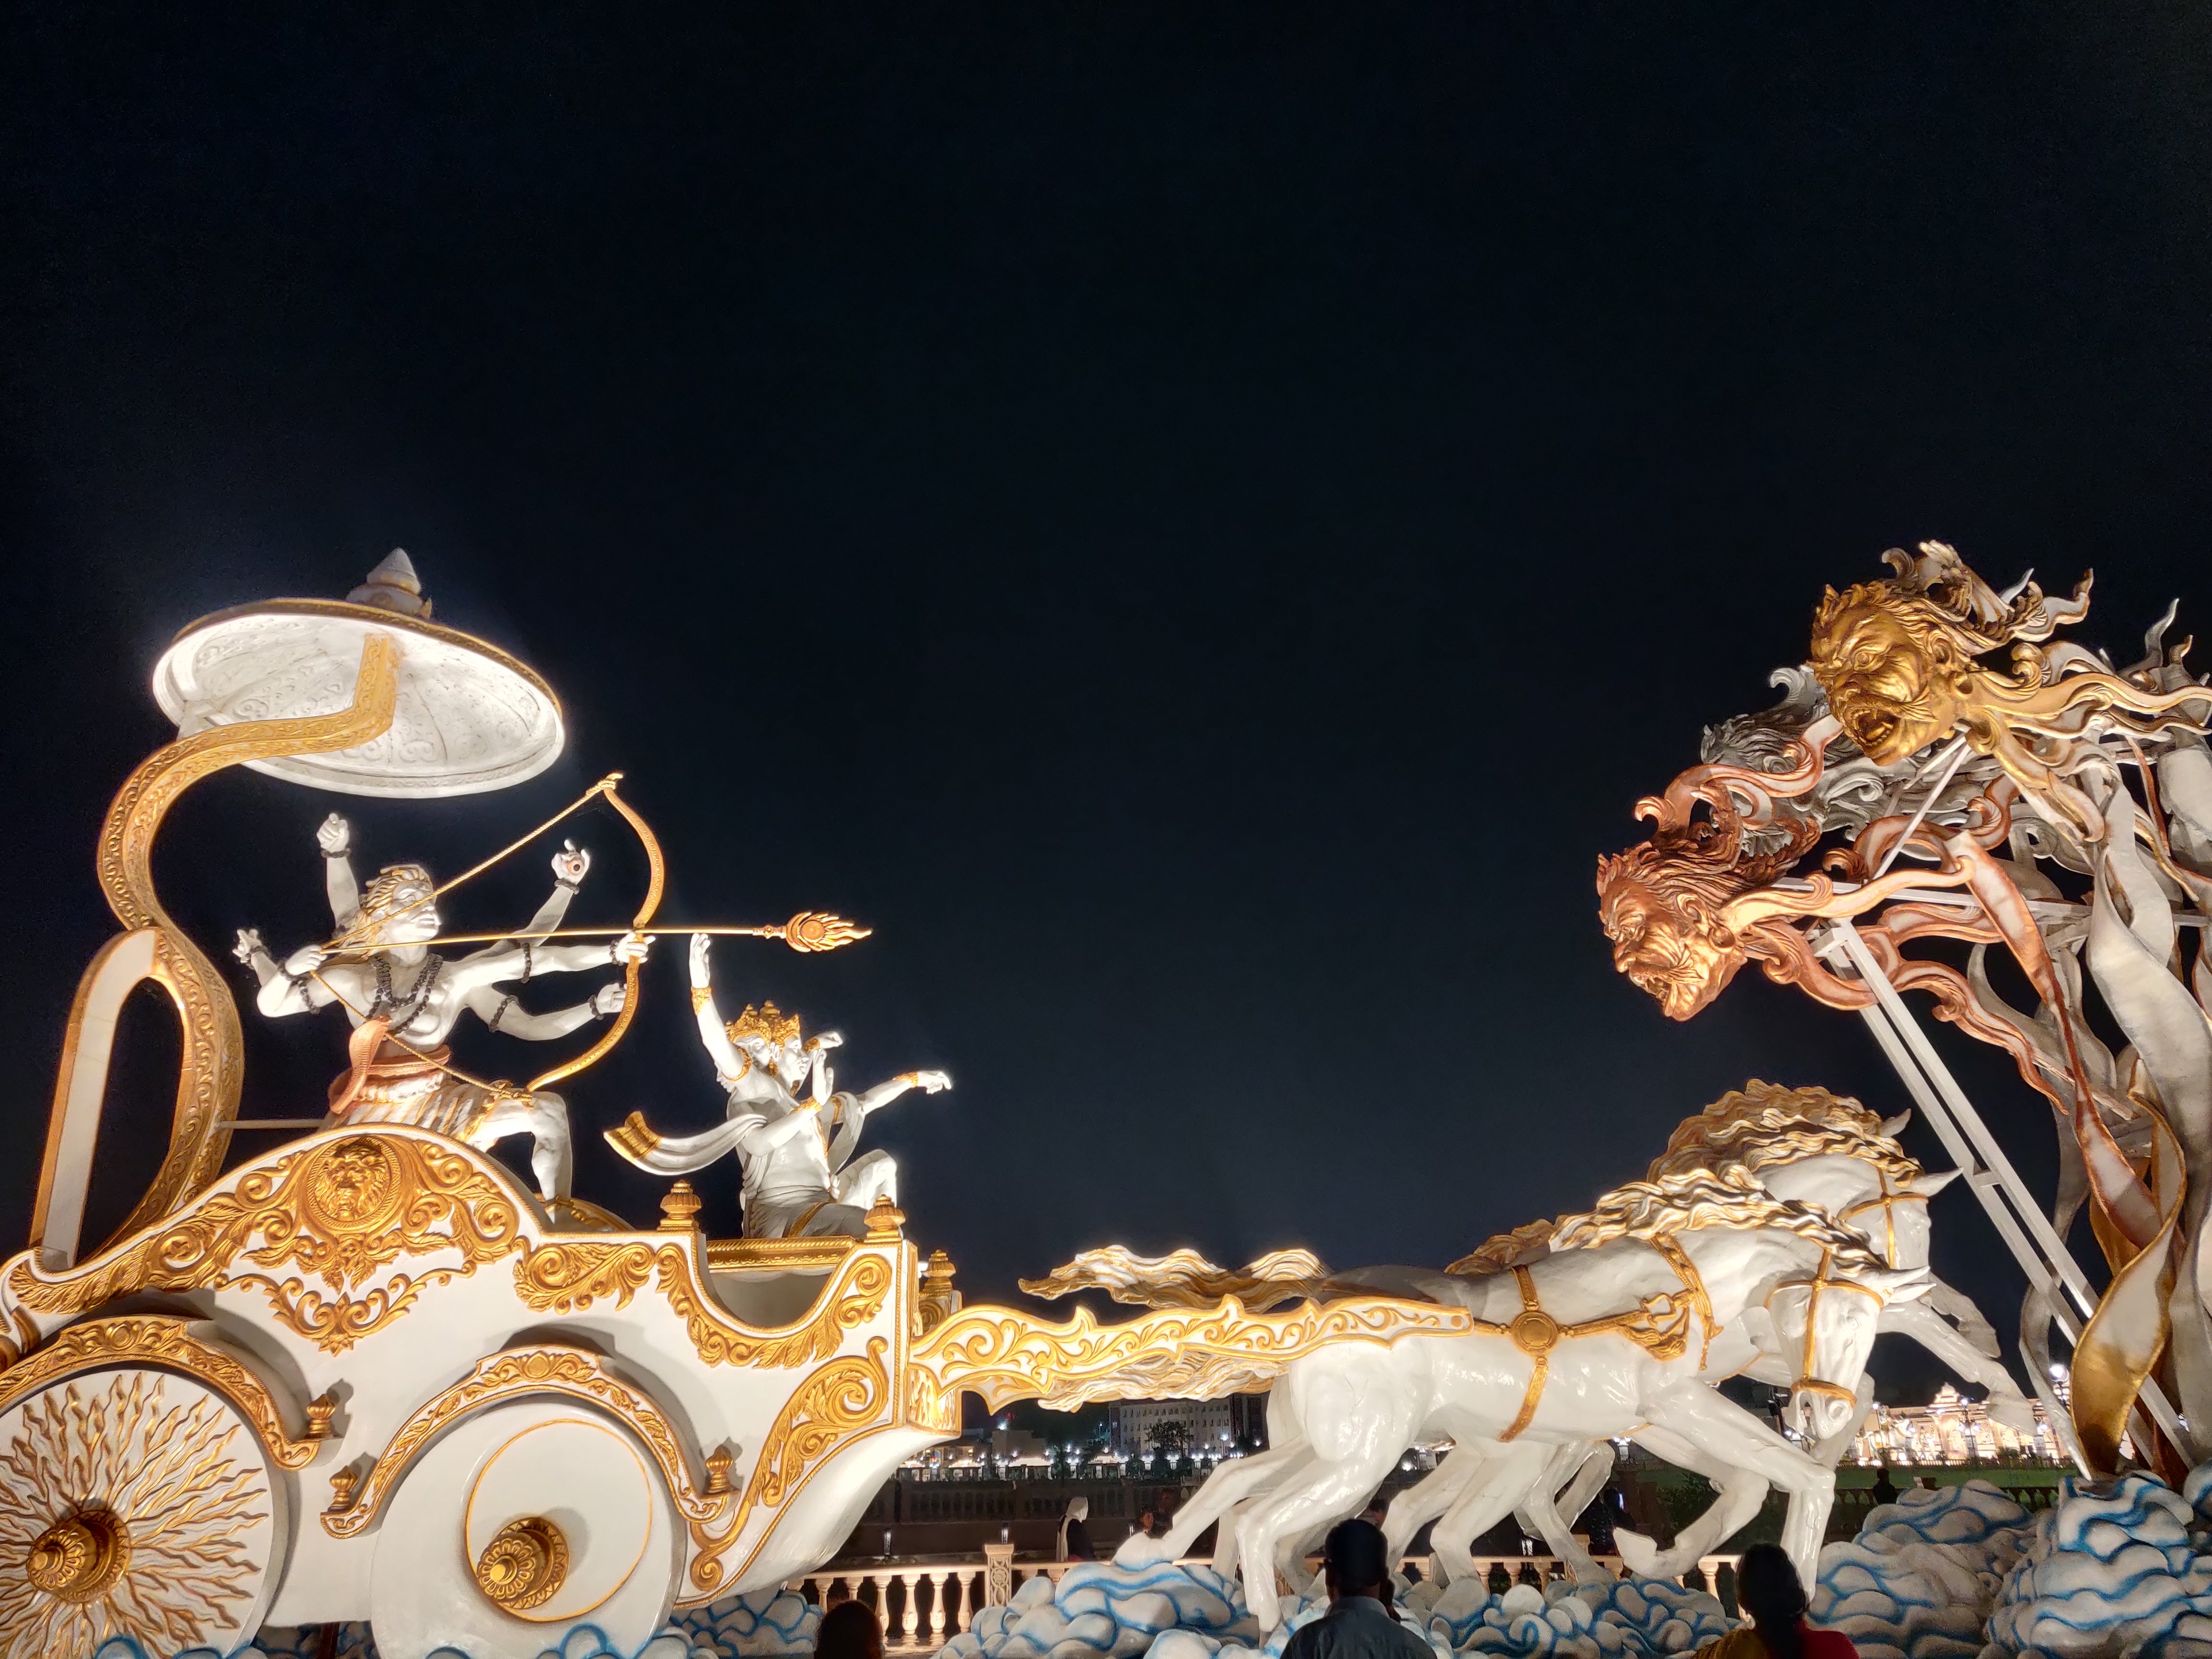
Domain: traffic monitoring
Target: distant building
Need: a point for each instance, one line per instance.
(1214, 1425)
(1950, 1430)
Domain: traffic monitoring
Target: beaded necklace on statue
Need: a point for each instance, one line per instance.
(402, 1014)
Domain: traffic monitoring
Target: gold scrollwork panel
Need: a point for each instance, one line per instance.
(517, 1374)
(209, 1076)
(841, 1400)
(570, 1276)
(337, 1209)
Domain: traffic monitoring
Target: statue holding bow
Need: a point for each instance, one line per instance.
(404, 1000)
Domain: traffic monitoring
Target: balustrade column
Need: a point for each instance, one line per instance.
(913, 1605)
(937, 1606)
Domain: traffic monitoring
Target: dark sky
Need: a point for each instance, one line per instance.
(1195, 522)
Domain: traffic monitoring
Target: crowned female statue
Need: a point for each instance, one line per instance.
(796, 1131)
(404, 1000)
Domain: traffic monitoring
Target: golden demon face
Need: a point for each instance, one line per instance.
(1664, 937)
(1894, 688)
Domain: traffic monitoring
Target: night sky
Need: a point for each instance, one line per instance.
(1196, 523)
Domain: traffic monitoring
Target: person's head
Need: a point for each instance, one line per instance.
(1078, 1509)
(1355, 1562)
(400, 905)
(1768, 1589)
(849, 1630)
(774, 1040)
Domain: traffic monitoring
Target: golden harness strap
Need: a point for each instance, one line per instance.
(1660, 1325)
(1806, 1382)
(1886, 1201)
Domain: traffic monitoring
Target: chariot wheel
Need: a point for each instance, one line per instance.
(526, 1521)
(140, 1504)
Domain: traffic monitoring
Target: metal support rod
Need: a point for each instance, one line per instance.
(2036, 1246)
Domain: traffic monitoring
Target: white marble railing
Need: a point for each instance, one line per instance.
(924, 1602)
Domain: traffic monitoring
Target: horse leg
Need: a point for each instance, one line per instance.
(1554, 1517)
(1315, 1496)
(1925, 1326)
(1506, 1477)
(1225, 1489)
(1729, 1436)
(1739, 1494)
(1428, 1498)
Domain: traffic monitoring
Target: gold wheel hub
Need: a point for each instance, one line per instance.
(524, 1566)
(78, 1557)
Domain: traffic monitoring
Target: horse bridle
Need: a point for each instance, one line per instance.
(1822, 1279)
(1886, 1201)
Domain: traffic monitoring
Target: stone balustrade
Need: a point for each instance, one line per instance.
(924, 1602)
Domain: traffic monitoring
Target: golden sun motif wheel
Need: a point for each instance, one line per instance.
(141, 1505)
(528, 1519)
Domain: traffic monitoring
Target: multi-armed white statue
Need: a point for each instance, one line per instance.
(796, 1131)
(404, 1000)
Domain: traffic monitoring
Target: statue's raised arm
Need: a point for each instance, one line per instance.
(382, 971)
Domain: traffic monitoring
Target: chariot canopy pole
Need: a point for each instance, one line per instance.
(2011, 1204)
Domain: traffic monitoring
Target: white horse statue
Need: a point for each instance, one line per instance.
(1806, 1145)
(1654, 1295)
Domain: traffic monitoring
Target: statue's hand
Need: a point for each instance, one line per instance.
(334, 835)
(306, 960)
(249, 944)
(931, 1083)
(632, 947)
(703, 976)
(827, 1040)
(570, 863)
(609, 998)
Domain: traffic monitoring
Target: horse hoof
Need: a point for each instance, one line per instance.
(1638, 1554)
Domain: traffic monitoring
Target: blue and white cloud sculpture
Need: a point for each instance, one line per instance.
(1920, 1579)
(2111, 1572)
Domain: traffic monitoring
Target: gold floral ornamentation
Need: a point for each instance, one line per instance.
(151, 1339)
(128, 1514)
(844, 1397)
(339, 1209)
(517, 1373)
(569, 1277)
(1005, 1355)
(524, 1566)
(80, 1556)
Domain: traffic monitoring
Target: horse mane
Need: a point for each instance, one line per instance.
(1699, 1198)
(1763, 1123)
(1730, 1141)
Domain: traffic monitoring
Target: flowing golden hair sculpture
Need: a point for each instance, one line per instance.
(1699, 1198)
(1898, 658)
(1763, 1124)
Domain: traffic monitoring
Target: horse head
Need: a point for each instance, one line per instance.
(1825, 1323)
